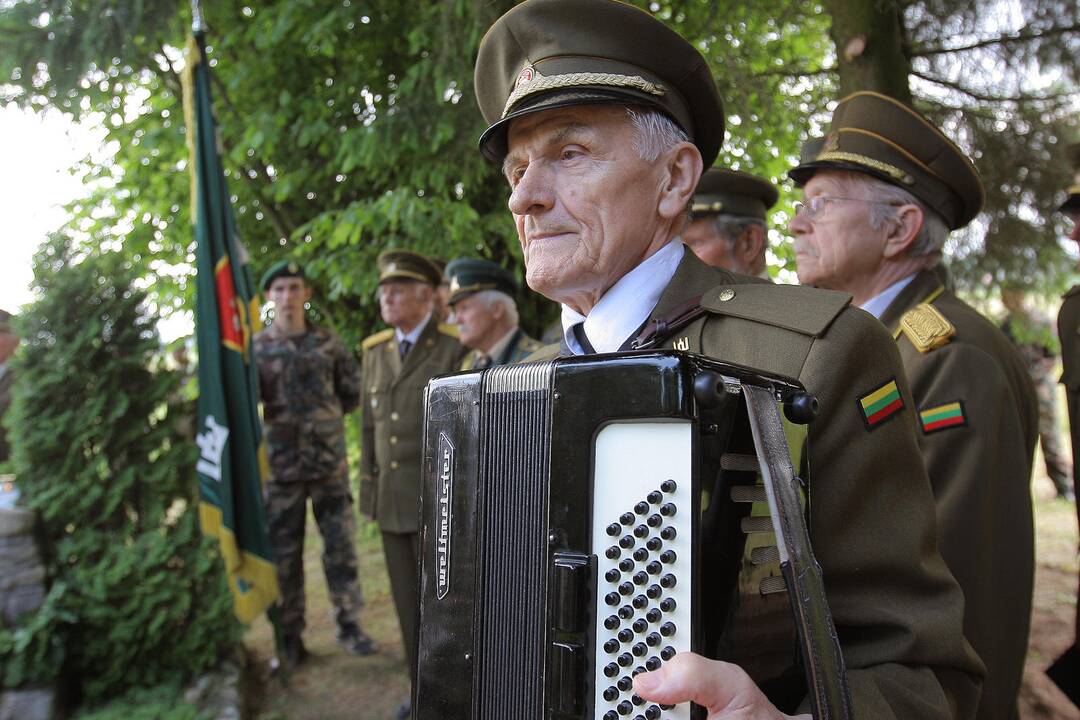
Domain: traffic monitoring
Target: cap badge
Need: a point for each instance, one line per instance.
(831, 144)
(454, 284)
(392, 267)
(525, 76)
(294, 268)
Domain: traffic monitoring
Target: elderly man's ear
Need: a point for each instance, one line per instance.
(902, 230)
(683, 170)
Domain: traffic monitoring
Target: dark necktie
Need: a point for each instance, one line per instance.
(403, 348)
(583, 339)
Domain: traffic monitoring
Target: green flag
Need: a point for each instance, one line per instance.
(232, 465)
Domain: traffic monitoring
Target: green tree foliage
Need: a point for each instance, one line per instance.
(138, 596)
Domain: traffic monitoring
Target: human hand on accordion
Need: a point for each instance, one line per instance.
(724, 689)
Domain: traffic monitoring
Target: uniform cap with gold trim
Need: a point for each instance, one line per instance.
(733, 192)
(546, 54)
(471, 275)
(285, 268)
(407, 265)
(880, 136)
(1072, 198)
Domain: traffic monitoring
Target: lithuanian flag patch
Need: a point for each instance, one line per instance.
(880, 404)
(942, 417)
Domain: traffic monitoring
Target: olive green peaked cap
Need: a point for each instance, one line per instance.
(408, 265)
(285, 268)
(733, 192)
(471, 275)
(883, 137)
(1072, 199)
(546, 54)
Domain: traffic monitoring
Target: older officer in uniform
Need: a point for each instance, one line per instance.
(602, 119)
(308, 381)
(1066, 670)
(880, 196)
(395, 367)
(482, 297)
(729, 229)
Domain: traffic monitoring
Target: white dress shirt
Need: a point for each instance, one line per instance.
(414, 334)
(878, 304)
(626, 304)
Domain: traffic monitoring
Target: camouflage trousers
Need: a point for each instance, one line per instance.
(1057, 463)
(332, 505)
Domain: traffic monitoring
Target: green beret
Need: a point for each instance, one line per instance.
(545, 54)
(880, 136)
(733, 192)
(471, 275)
(285, 268)
(1072, 198)
(408, 265)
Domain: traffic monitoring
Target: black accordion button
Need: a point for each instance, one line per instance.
(667, 581)
(625, 660)
(654, 520)
(611, 670)
(654, 544)
(626, 542)
(667, 604)
(667, 509)
(611, 694)
(652, 663)
(611, 645)
(652, 713)
(640, 601)
(613, 575)
(612, 599)
(652, 616)
(612, 622)
(626, 612)
(625, 708)
(668, 556)
(626, 564)
(654, 591)
(625, 683)
(652, 640)
(613, 552)
(640, 626)
(641, 531)
(653, 568)
(612, 715)
(638, 670)
(625, 635)
(641, 508)
(614, 529)
(637, 700)
(668, 533)
(668, 486)
(626, 588)
(667, 629)
(641, 554)
(666, 707)
(655, 497)
(639, 717)
(639, 649)
(626, 519)
(640, 578)
(667, 653)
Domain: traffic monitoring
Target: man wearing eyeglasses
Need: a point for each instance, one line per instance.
(881, 192)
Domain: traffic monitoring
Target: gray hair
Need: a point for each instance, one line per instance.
(496, 297)
(934, 231)
(731, 227)
(654, 133)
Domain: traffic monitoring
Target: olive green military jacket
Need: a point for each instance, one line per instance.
(978, 423)
(520, 347)
(393, 406)
(897, 608)
(1069, 334)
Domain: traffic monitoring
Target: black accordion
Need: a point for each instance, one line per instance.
(561, 536)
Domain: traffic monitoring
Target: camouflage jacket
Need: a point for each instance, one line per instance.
(308, 382)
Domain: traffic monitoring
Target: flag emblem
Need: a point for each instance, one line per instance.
(941, 417)
(880, 404)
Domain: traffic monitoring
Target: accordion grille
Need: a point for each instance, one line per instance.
(513, 529)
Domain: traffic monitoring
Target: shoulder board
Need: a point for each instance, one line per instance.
(802, 309)
(926, 327)
(378, 338)
(1072, 291)
(447, 329)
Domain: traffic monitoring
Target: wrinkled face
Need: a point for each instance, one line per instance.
(404, 303)
(711, 247)
(476, 320)
(838, 244)
(584, 202)
(289, 295)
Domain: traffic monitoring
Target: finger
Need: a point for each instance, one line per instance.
(691, 678)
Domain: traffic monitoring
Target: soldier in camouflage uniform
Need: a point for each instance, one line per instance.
(482, 297)
(1034, 336)
(308, 381)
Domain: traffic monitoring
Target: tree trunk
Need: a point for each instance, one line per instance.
(868, 35)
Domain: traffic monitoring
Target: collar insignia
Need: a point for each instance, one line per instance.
(926, 327)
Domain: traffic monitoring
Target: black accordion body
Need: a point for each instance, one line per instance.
(563, 539)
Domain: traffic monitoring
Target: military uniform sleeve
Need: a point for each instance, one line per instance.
(368, 483)
(898, 610)
(346, 377)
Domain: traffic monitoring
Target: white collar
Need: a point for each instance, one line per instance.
(878, 304)
(626, 304)
(414, 334)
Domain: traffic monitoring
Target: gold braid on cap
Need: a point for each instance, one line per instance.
(556, 82)
(893, 172)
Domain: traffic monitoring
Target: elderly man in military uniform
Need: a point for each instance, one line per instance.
(308, 381)
(9, 341)
(881, 194)
(728, 230)
(395, 367)
(1066, 670)
(602, 119)
(482, 297)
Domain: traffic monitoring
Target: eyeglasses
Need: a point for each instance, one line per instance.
(815, 205)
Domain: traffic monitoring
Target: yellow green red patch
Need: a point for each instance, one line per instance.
(941, 417)
(880, 404)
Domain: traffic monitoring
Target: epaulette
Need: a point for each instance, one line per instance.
(805, 310)
(926, 327)
(377, 339)
(447, 329)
